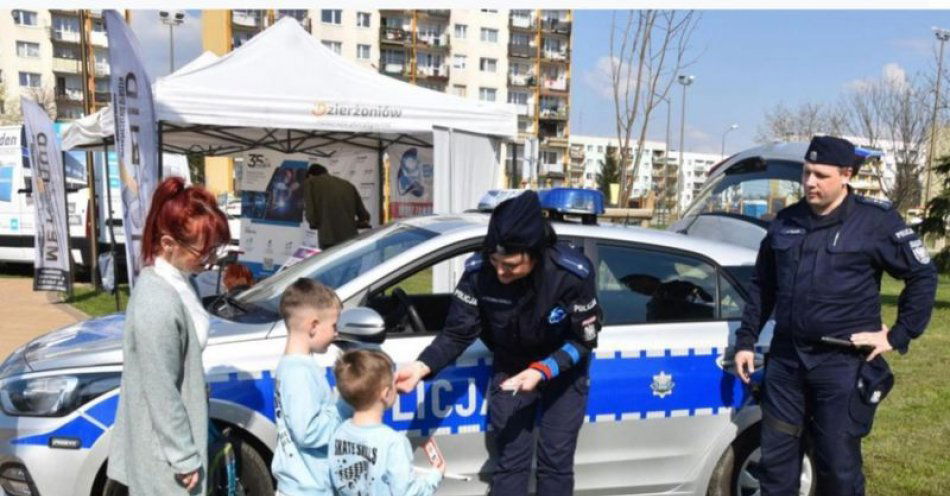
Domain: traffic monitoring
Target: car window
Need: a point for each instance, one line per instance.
(638, 285)
(731, 302)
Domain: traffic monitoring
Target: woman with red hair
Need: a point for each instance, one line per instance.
(159, 444)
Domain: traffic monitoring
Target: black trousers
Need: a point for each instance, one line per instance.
(556, 408)
(816, 401)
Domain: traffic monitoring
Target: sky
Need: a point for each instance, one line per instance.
(746, 62)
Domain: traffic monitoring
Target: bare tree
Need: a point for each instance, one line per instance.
(646, 54)
(801, 123)
(10, 112)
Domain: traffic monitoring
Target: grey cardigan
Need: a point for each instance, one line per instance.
(161, 426)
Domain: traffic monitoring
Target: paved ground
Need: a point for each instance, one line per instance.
(28, 313)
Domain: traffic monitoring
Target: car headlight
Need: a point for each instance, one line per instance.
(54, 396)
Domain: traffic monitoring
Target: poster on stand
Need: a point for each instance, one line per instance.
(410, 181)
(273, 229)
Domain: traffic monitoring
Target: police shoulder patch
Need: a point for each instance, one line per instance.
(877, 202)
(573, 263)
(474, 262)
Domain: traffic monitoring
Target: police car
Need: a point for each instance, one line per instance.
(666, 413)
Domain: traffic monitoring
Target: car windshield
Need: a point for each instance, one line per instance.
(340, 264)
(752, 188)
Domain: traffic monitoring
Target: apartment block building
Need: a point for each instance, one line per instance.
(43, 58)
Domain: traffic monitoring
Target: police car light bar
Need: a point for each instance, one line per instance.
(866, 153)
(572, 201)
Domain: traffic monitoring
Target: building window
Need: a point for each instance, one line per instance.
(549, 157)
(331, 16)
(24, 17)
(336, 46)
(30, 80)
(394, 57)
(364, 19)
(487, 94)
(458, 61)
(490, 11)
(461, 31)
(518, 98)
(490, 35)
(590, 148)
(520, 39)
(362, 52)
(26, 49)
(487, 65)
(459, 90)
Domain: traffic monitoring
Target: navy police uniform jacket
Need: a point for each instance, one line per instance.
(822, 277)
(548, 320)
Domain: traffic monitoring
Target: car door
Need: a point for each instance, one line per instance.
(659, 400)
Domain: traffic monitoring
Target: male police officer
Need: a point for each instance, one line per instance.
(820, 268)
(533, 304)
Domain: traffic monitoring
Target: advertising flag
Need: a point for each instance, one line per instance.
(51, 260)
(136, 136)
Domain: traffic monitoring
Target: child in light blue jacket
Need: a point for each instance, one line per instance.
(305, 409)
(368, 457)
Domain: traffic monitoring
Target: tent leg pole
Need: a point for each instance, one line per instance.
(161, 159)
(383, 204)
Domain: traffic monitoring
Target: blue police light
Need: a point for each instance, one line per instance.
(866, 153)
(572, 201)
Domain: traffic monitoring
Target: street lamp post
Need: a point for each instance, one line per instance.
(685, 80)
(171, 19)
(942, 36)
(722, 151)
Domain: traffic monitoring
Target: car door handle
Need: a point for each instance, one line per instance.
(727, 362)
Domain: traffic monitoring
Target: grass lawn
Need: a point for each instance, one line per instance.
(95, 304)
(907, 452)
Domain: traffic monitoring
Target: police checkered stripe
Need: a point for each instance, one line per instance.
(236, 376)
(606, 354)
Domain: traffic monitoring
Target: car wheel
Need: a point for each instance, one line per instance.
(113, 488)
(254, 477)
(745, 473)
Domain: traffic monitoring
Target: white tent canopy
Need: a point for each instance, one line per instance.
(284, 91)
(97, 129)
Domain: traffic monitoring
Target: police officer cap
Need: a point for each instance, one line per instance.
(517, 225)
(828, 150)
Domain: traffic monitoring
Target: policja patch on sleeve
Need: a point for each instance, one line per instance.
(919, 250)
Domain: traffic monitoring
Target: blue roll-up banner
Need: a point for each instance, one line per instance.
(51, 260)
(136, 136)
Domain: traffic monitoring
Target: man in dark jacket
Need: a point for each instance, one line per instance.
(332, 206)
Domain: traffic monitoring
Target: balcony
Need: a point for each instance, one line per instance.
(99, 38)
(577, 152)
(65, 36)
(69, 96)
(523, 51)
(245, 19)
(557, 85)
(434, 42)
(392, 35)
(67, 66)
(522, 80)
(103, 96)
(433, 73)
(554, 55)
(524, 109)
(556, 169)
(102, 69)
(435, 14)
(525, 23)
(558, 141)
(393, 69)
(559, 114)
(555, 26)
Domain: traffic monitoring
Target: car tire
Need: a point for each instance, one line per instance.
(731, 477)
(254, 474)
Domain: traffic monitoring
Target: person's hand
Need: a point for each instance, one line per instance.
(876, 341)
(526, 380)
(189, 480)
(409, 375)
(440, 465)
(745, 364)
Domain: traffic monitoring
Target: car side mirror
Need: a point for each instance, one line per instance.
(361, 326)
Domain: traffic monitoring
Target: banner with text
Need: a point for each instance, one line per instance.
(135, 134)
(51, 264)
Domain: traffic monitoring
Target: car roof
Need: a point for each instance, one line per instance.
(476, 223)
(791, 152)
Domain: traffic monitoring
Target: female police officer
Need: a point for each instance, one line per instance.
(533, 304)
(820, 268)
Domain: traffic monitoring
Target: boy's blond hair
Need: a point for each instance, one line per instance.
(306, 293)
(361, 375)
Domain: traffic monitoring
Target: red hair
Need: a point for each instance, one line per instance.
(237, 275)
(189, 215)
